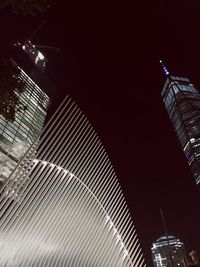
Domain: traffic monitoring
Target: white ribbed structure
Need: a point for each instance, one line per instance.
(70, 210)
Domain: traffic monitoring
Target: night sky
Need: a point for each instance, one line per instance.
(109, 64)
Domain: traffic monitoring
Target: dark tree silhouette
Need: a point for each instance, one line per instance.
(10, 88)
(26, 7)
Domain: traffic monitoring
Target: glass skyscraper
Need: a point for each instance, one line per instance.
(168, 251)
(182, 102)
(17, 137)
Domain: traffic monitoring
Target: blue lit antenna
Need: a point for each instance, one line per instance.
(166, 72)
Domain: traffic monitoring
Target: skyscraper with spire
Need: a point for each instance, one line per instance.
(182, 102)
(168, 251)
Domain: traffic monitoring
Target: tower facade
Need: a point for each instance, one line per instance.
(168, 251)
(182, 102)
(16, 137)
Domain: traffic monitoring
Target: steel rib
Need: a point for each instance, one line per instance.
(75, 148)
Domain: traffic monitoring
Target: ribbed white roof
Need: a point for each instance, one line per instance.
(70, 210)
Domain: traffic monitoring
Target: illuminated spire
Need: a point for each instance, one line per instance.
(166, 72)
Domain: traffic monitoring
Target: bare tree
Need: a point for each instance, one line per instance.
(10, 88)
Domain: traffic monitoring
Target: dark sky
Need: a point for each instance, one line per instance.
(109, 65)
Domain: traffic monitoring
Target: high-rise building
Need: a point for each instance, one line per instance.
(71, 209)
(168, 251)
(182, 102)
(16, 137)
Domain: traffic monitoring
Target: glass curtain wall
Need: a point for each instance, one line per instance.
(18, 136)
(182, 102)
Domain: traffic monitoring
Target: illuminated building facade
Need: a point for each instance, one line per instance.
(168, 252)
(71, 211)
(17, 137)
(182, 102)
